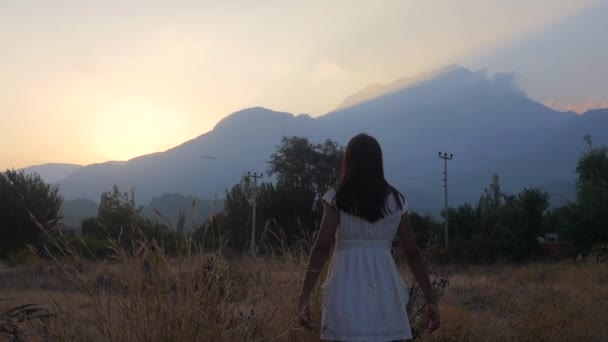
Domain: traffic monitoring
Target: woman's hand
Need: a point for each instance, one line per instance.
(319, 255)
(304, 316)
(432, 317)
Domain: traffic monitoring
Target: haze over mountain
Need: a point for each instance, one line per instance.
(374, 90)
(54, 172)
(484, 120)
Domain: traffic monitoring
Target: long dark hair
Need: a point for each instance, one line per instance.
(362, 190)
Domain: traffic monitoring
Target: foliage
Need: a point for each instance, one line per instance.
(304, 171)
(305, 167)
(234, 222)
(21, 197)
(425, 228)
(584, 223)
(291, 207)
(120, 219)
(590, 221)
(501, 226)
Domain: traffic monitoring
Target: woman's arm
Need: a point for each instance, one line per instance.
(318, 258)
(416, 264)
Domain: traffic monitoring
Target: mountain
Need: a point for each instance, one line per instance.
(484, 120)
(240, 142)
(52, 173)
(196, 210)
(75, 210)
(374, 90)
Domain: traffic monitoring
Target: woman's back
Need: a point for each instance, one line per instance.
(356, 228)
(365, 296)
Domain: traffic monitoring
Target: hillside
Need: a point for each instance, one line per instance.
(484, 120)
(53, 172)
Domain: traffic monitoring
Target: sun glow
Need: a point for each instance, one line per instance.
(84, 82)
(127, 129)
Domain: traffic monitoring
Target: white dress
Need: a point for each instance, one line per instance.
(364, 296)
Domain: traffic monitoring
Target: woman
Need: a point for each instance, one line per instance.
(365, 298)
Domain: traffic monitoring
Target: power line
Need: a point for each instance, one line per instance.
(514, 161)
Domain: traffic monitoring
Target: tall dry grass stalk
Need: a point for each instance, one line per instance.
(142, 295)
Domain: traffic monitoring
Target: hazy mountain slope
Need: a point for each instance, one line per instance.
(241, 142)
(373, 91)
(76, 210)
(196, 210)
(53, 172)
(484, 120)
(470, 114)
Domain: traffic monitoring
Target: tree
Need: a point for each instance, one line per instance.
(589, 216)
(425, 228)
(20, 195)
(295, 214)
(502, 226)
(234, 221)
(489, 209)
(492, 198)
(592, 184)
(304, 172)
(533, 204)
(116, 215)
(464, 222)
(326, 166)
(303, 167)
(120, 219)
(292, 163)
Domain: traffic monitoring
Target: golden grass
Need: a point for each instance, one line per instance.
(146, 296)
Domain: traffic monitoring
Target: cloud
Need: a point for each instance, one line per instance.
(325, 71)
(505, 82)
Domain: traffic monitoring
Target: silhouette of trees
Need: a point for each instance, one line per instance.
(291, 207)
(500, 226)
(304, 167)
(21, 197)
(119, 219)
(587, 220)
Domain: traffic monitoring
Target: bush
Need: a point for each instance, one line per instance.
(23, 196)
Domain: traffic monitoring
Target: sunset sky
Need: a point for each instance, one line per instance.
(89, 81)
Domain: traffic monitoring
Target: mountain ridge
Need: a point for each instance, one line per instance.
(458, 111)
(52, 172)
(375, 90)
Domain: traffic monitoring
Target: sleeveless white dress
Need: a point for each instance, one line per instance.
(364, 296)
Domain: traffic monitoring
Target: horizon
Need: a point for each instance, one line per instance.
(237, 111)
(93, 88)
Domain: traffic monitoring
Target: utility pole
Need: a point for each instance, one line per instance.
(255, 177)
(445, 158)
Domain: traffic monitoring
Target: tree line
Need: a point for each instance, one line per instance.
(500, 226)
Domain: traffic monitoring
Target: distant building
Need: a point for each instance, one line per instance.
(551, 243)
(551, 237)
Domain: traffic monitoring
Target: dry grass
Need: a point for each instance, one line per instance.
(145, 296)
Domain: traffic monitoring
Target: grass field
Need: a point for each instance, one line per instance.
(149, 297)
